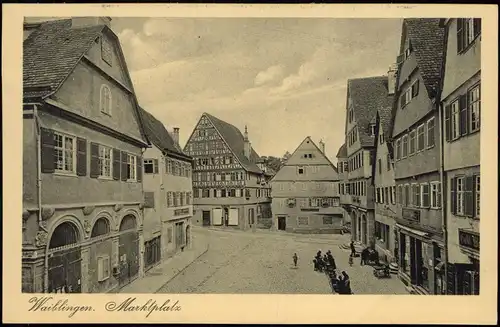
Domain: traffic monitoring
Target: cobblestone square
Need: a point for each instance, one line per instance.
(261, 263)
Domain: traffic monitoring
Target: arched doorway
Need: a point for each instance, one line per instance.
(64, 260)
(364, 230)
(188, 236)
(128, 250)
(100, 253)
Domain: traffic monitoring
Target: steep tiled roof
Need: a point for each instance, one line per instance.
(368, 95)
(235, 140)
(51, 52)
(385, 115)
(158, 134)
(342, 153)
(427, 41)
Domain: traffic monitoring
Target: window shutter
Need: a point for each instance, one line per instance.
(474, 196)
(468, 196)
(453, 196)
(155, 163)
(81, 157)
(48, 153)
(447, 120)
(414, 88)
(450, 280)
(139, 168)
(402, 101)
(477, 26)
(116, 164)
(426, 195)
(463, 114)
(460, 34)
(417, 191)
(94, 160)
(124, 164)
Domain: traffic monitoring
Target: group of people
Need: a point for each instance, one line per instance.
(322, 262)
(341, 284)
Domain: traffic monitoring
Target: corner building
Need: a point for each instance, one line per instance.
(416, 139)
(230, 190)
(305, 192)
(83, 139)
(167, 194)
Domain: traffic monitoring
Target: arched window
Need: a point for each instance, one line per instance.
(64, 234)
(101, 227)
(128, 223)
(105, 103)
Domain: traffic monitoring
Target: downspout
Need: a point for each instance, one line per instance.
(39, 166)
(444, 188)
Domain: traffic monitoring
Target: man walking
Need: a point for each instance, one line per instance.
(353, 249)
(295, 259)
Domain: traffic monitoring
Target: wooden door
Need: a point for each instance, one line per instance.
(206, 218)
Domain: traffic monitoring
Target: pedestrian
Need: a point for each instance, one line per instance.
(353, 249)
(295, 259)
(350, 260)
(346, 283)
(364, 255)
(315, 262)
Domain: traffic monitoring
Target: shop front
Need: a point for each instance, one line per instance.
(463, 278)
(420, 264)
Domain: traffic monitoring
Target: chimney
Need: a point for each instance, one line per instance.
(175, 135)
(391, 79)
(247, 149)
(322, 146)
(77, 22)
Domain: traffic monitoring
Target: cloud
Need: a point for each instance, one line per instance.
(269, 75)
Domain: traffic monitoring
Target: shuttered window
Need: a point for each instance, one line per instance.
(407, 196)
(417, 201)
(455, 120)
(435, 195)
(414, 88)
(412, 142)
(468, 196)
(460, 195)
(474, 108)
(421, 137)
(398, 149)
(65, 152)
(430, 133)
(116, 164)
(405, 146)
(105, 160)
(424, 193)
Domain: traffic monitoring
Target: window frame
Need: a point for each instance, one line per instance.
(437, 184)
(303, 217)
(427, 146)
(460, 199)
(417, 143)
(470, 110)
(105, 147)
(403, 147)
(109, 102)
(135, 167)
(410, 152)
(299, 168)
(455, 119)
(63, 151)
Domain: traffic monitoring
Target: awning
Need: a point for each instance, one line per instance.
(413, 231)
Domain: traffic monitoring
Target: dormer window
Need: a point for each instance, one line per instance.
(105, 101)
(372, 129)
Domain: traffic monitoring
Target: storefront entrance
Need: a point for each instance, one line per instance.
(64, 260)
(128, 250)
(206, 218)
(282, 223)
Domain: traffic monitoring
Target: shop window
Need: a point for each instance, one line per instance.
(303, 221)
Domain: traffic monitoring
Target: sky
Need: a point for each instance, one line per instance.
(285, 78)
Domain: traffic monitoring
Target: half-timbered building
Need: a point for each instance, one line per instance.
(416, 140)
(82, 160)
(229, 189)
(167, 193)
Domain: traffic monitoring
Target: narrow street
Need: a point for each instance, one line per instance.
(261, 263)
